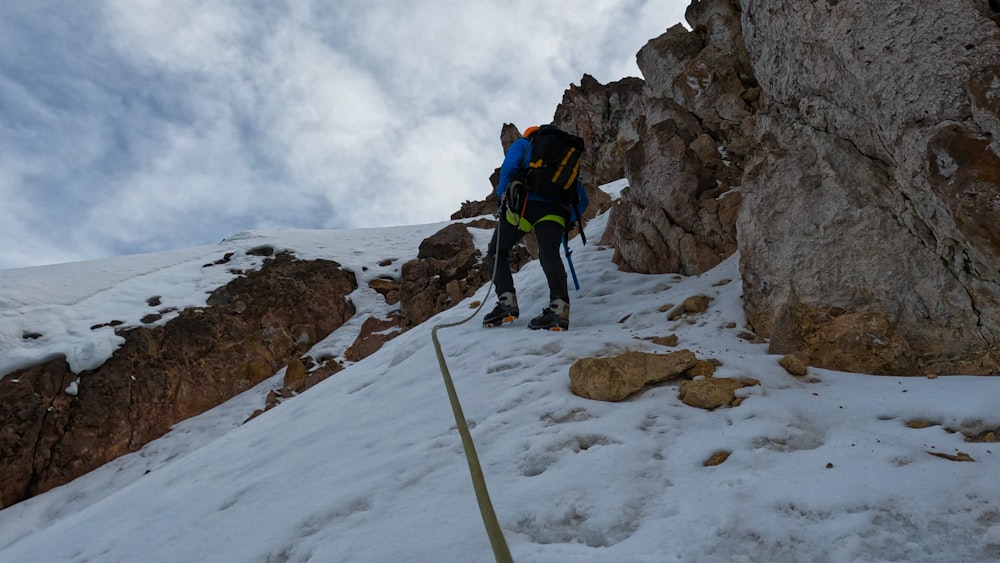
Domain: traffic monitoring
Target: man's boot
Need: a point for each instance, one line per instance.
(505, 311)
(553, 317)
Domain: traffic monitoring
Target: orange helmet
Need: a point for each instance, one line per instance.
(529, 131)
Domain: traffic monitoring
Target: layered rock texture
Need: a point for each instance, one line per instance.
(681, 138)
(871, 220)
(447, 269)
(854, 149)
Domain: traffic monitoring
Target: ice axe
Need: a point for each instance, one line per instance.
(569, 260)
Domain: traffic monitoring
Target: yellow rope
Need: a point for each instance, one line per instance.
(493, 530)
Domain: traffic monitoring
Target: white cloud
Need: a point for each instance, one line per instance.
(178, 35)
(141, 118)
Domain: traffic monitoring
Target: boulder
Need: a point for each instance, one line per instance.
(793, 365)
(696, 305)
(389, 289)
(446, 243)
(712, 393)
(615, 378)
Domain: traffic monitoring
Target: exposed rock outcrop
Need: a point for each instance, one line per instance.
(696, 125)
(609, 118)
(374, 334)
(447, 269)
(869, 234)
(251, 328)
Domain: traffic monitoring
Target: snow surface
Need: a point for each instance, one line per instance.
(368, 466)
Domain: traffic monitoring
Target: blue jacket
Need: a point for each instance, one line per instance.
(517, 159)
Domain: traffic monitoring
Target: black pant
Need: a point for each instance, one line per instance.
(549, 235)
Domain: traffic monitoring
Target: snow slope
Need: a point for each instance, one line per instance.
(368, 466)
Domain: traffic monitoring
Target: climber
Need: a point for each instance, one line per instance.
(523, 209)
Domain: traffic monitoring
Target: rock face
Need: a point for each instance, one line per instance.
(681, 140)
(374, 334)
(447, 269)
(853, 148)
(250, 329)
(870, 233)
(609, 119)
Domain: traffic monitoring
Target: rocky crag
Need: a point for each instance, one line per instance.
(249, 329)
(869, 235)
(848, 151)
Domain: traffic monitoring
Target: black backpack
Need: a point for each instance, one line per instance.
(555, 165)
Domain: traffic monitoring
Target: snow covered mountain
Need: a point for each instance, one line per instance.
(368, 467)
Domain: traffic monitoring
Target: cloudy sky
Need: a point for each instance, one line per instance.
(133, 126)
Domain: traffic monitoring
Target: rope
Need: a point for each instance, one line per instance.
(493, 530)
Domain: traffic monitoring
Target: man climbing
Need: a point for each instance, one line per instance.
(524, 209)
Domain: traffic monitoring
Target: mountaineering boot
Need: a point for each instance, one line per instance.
(505, 311)
(553, 317)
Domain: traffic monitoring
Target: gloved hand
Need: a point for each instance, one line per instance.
(515, 196)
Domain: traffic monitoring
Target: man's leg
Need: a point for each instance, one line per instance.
(549, 235)
(498, 254)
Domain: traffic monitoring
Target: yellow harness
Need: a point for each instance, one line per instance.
(521, 223)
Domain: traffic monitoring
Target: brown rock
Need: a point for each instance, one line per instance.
(711, 393)
(295, 372)
(305, 336)
(482, 223)
(695, 304)
(965, 176)
(615, 378)
(701, 368)
(670, 340)
(793, 365)
(446, 243)
(957, 456)
(34, 411)
(476, 208)
(389, 289)
(833, 338)
(718, 458)
(373, 335)
(608, 118)
(164, 374)
(679, 213)
(448, 271)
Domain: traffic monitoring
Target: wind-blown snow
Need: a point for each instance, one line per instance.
(368, 467)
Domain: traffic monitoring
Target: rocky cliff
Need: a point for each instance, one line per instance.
(871, 220)
(249, 329)
(847, 150)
